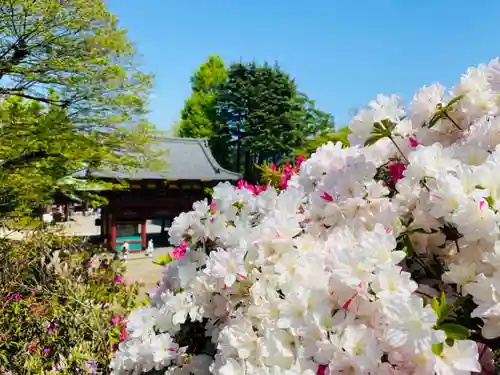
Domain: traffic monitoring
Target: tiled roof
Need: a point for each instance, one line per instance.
(187, 159)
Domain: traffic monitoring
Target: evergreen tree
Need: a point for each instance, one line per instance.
(261, 114)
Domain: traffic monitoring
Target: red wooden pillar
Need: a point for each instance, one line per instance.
(144, 233)
(113, 233)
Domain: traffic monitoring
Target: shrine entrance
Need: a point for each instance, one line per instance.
(151, 195)
(125, 218)
(129, 232)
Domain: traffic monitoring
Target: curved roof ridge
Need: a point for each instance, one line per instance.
(211, 159)
(187, 158)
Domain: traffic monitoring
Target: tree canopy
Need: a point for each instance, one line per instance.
(263, 116)
(251, 113)
(198, 116)
(73, 96)
(71, 54)
(312, 144)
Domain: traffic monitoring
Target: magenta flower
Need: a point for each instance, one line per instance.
(254, 189)
(396, 170)
(321, 370)
(298, 161)
(413, 142)
(213, 207)
(180, 250)
(14, 297)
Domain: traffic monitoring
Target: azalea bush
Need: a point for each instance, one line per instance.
(378, 258)
(277, 176)
(62, 306)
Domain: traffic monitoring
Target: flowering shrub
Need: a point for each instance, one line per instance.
(60, 306)
(379, 258)
(278, 176)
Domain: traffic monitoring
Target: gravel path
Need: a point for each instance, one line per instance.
(141, 269)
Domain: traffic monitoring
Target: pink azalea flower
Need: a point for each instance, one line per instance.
(298, 161)
(213, 207)
(327, 197)
(14, 297)
(413, 142)
(321, 370)
(180, 250)
(396, 170)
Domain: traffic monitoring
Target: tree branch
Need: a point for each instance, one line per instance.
(18, 92)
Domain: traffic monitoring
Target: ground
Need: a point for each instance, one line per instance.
(140, 268)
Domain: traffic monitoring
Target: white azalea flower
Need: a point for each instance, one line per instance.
(329, 275)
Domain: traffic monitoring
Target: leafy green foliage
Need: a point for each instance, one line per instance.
(263, 117)
(71, 54)
(73, 99)
(163, 260)
(382, 129)
(446, 323)
(210, 75)
(311, 145)
(199, 114)
(250, 113)
(278, 176)
(443, 112)
(60, 306)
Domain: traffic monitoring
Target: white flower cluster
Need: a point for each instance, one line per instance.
(379, 258)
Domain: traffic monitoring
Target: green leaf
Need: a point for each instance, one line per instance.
(445, 311)
(490, 201)
(374, 139)
(410, 250)
(441, 309)
(441, 111)
(443, 300)
(163, 260)
(437, 349)
(455, 331)
(435, 306)
(454, 101)
(388, 127)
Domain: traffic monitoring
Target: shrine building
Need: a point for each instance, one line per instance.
(191, 168)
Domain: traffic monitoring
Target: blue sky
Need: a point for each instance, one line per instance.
(341, 53)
